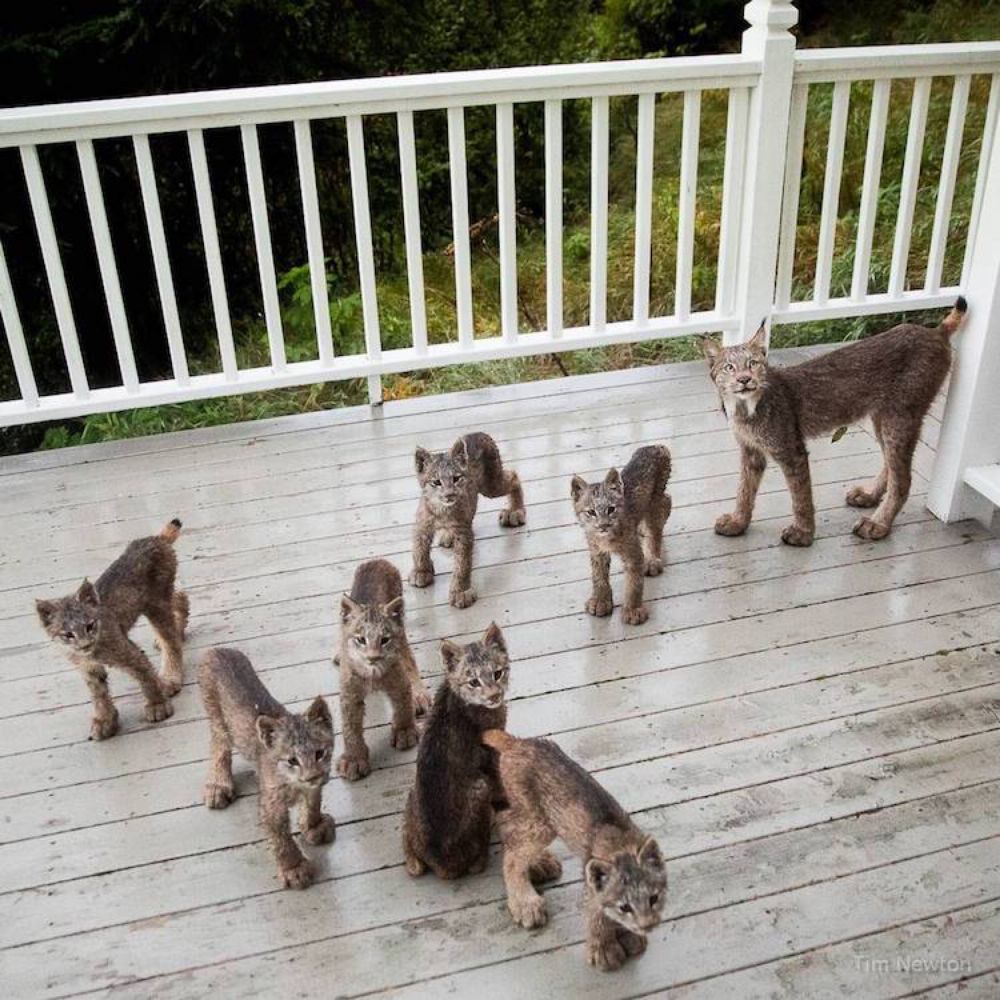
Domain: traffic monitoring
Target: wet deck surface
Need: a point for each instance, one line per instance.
(814, 735)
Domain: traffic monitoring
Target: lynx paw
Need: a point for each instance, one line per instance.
(353, 768)
(415, 867)
(512, 518)
(635, 616)
(870, 530)
(171, 685)
(730, 525)
(546, 869)
(157, 711)
(528, 911)
(860, 497)
(634, 944)
(421, 701)
(462, 598)
(299, 876)
(446, 539)
(103, 727)
(599, 607)
(607, 954)
(421, 577)
(653, 567)
(324, 832)
(794, 535)
(218, 796)
(404, 737)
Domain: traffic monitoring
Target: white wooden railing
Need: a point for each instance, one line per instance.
(767, 85)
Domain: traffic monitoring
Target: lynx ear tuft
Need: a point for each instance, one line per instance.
(711, 348)
(46, 610)
(451, 653)
(649, 854)
(613, 478)
(318, 712)
(394, 609)
(348, 607)
(597, 873)
(758, 342)
(577, 486)
(460, 452)
(420, 460)
(494, 637)
(266, 725)
(88, 593)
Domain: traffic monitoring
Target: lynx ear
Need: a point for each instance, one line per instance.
(88, 593)
(421, 459)
(577, 486)
(597, 873)
(494, 637)
(758, 342)
(649, 854)
(711, 348)
(613, 478)
(46, 610)
(394, 609)
(348, 607)
(460, 452)
(265, 729)
(451, 653)
(318, 711)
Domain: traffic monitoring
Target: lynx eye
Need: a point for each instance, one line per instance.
(625, 907)
(612, 509)
(753, 362)
(321, 753)
(474, 682)
(360, 640)
(435, 482)
(68, 636)
(654, 899)
(90, 627)
(293, 761)
(729, 367)
(386, 636)
(458, 477)
(498, 675)
(591, 512)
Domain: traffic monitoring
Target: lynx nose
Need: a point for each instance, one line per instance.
(744, 379)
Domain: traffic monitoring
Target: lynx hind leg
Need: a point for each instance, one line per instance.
(169, 636)
(104, 723)
(500, 482)
(415, 865)
(220, 789)
(514, 514)
(652, 538)
(182, 612)
(899, 440)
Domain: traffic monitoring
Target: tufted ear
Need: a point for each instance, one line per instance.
(758, 342)
(421, 457)
(265, 729)
(613, 479)
(46, 610)
(494, 637)
(460, 452)
(711, 348)
(348, 607)
(394, 609)
(87, 593)
(597, 873)
(576, 487)
(451, 653)
(649, 854)
(319, 712)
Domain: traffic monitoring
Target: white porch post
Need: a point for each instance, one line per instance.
(970, 434)
(768, 38)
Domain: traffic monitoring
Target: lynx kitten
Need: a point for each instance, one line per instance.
(625, 514)
(376, 656)
(446, 826)
(93, 626)
(450, 486)
(292, 754)
(551, 796)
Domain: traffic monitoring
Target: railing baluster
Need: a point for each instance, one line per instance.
(15, 338)
(363, 235)
(870, 188)
(599, 214)
(106, 263)
(314, 241)
(732, 200)
(831, 191)
(790, 195)
(54, 271)
(553, 218)
(460, 225)
(213, 256)
(262, 241)
(908, 190)
(688, 190)
(645, 125)
(411, 225)
(507, 209)
(946, 186)
(985, 151)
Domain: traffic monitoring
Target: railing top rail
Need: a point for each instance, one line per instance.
(881, 61)
(126, 116)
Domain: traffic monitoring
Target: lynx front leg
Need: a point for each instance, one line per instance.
(399, 690)
(317, 826)
(753, 462)
(294, 868)
(219, 788)
(634, 612)
(130, 658)
(353, 763)
(461, 594)
(422, 574)
(796, 470)
(526, 904)
(604, 947)
(105, 721)
(600, 603)
(421, 696)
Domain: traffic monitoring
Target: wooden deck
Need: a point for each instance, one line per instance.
(813, 734)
